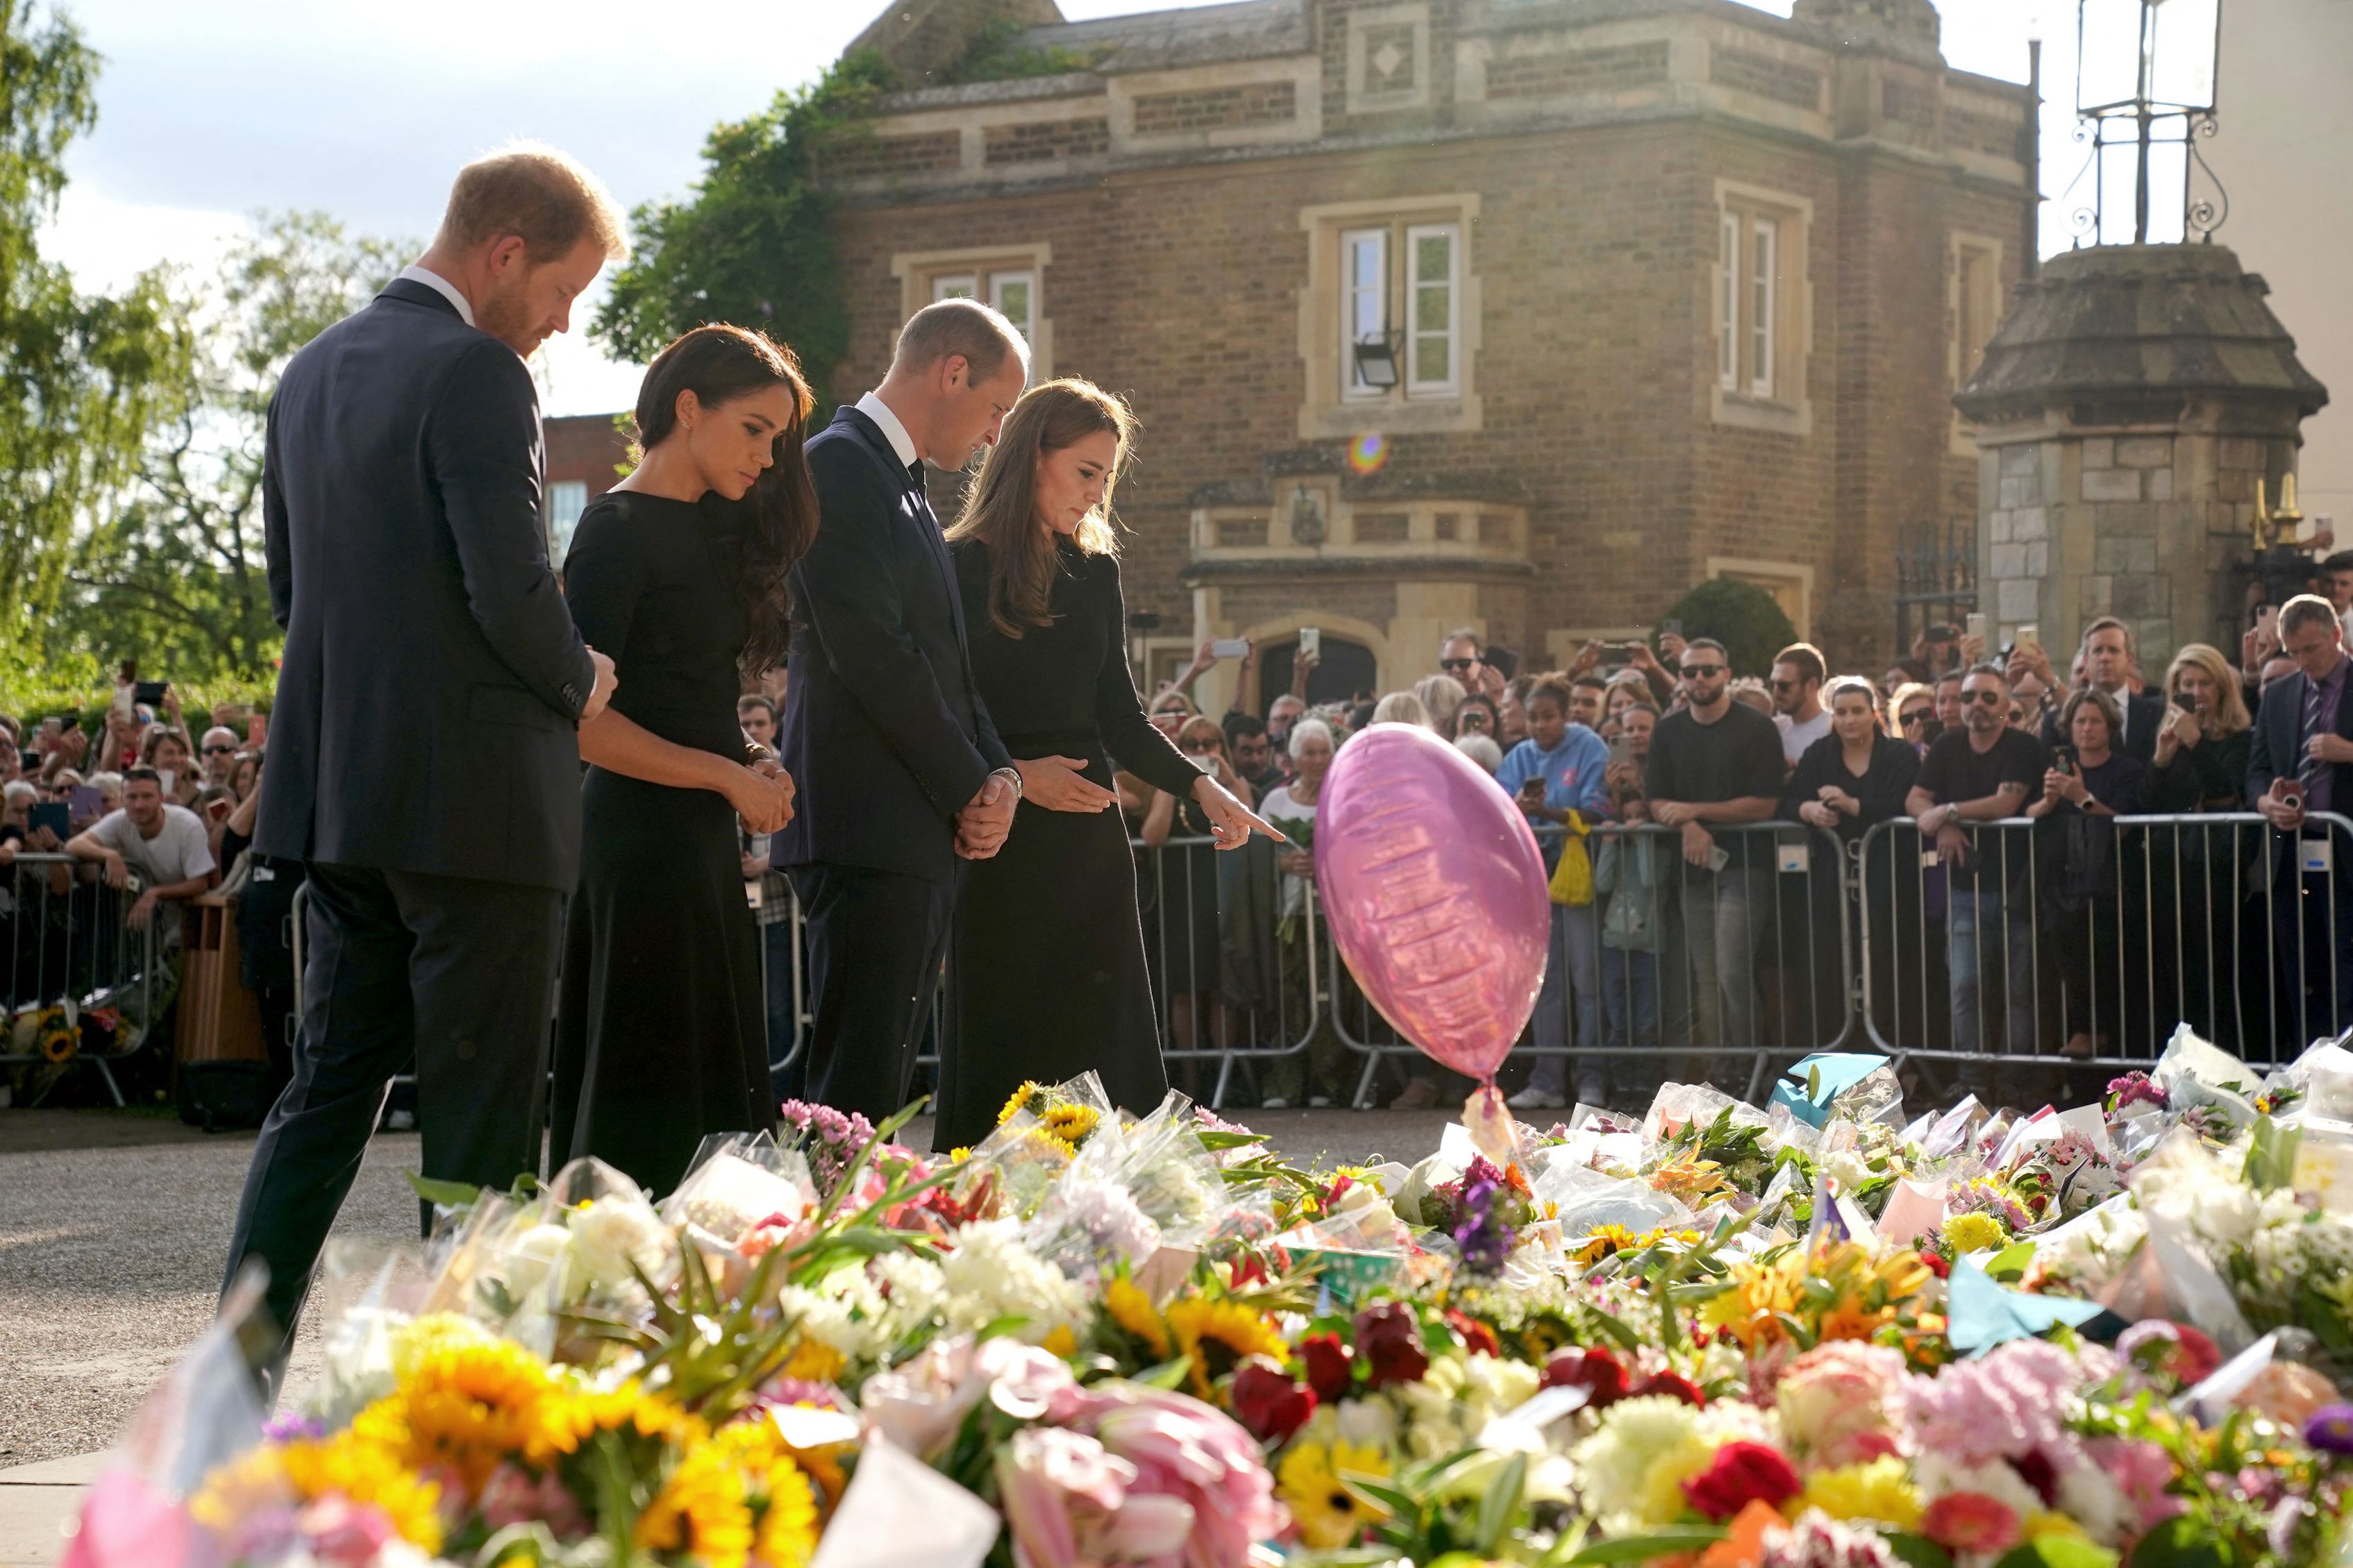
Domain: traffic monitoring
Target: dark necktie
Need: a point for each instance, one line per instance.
(2306, 765)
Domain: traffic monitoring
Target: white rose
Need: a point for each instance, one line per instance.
(611, 1233)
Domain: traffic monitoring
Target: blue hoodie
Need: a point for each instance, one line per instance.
(1572, 773)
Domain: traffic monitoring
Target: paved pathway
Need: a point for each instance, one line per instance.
(113, 1227)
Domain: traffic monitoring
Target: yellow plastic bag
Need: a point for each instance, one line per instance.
(1572, 878)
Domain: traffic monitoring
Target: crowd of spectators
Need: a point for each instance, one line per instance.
(115, 823)
(2014, 915)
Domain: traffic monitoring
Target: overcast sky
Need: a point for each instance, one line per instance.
(210, 112)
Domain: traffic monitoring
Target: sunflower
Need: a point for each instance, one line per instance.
(468, 1405)
(783, 1495)
(574, 1415)
(1071, 1123)
(1974, 1231)
(702, 1510)
(1328, 1514)
(1032, 1097)
(1132, 1310)
(370, 1474)
(1218, 1336)
(1607, 1242)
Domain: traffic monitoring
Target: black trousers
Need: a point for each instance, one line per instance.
(2312, 935)
(457, 972)
(876, 941)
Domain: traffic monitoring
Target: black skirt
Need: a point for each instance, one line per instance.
(661, 1033)
(1046, 974)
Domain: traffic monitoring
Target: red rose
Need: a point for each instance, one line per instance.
(1270, 1406)
(1936, 1265)
(1477, 1337)
(1599, 1374)
(1674, 1383)
(1330, 1367)
(1389, 1339)
(1742, 1473)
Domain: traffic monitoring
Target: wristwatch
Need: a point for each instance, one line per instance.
(1011, 776)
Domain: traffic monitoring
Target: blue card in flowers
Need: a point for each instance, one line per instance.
(1981, 1314)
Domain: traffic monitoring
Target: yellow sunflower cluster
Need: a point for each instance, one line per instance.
(1218, 1336)
(347, 1465)
(1327, 1513)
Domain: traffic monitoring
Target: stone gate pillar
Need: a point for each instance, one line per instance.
(2124, 411)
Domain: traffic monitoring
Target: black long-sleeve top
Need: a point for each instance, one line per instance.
(1880, 791)
(1064, 689)
(2209, 776)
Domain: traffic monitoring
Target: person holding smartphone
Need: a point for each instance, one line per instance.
(2088, 778)
(1561, 768)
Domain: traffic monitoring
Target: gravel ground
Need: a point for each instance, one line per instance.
(113, 1227)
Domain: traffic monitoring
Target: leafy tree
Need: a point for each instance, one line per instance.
(1741, 615)
(82, 377)
(752, 244)
(177, 573)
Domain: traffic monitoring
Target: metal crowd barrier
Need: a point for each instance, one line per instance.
(2107, 932)
(68, 953)
(1802, 940)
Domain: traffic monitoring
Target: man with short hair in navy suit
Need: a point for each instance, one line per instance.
(2300, 765)
(424, 753)
(899, 771)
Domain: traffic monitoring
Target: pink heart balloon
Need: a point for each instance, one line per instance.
(1435, 892)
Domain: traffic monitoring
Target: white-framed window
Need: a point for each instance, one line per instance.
(566, 499)
(1412, 274)
(1433, 290)
(1727, 307)
(956, 286)
(1364, 304)
(1015, 296)
(1761, 313)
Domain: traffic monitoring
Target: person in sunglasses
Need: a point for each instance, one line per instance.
(216, 754)
(1912, 715)
(1981, 774)
(1460, 656)
(1717, 763)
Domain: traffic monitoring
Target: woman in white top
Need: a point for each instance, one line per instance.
(1290, 808)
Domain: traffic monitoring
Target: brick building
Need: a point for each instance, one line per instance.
(1525, 314)
(585, 454)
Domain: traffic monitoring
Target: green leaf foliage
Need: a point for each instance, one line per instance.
(1743, 616)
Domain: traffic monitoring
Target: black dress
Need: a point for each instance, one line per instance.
(660, 1034)
(1046, 971)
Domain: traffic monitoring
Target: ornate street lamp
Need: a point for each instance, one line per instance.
(2144, 73)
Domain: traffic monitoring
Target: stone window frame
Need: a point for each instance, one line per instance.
(1773, 576)
(1962, 247)
(1739, 394)
(928, 275)
(1331, 408)
(1360, 101)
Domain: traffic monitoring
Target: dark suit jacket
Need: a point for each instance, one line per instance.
(428, 705)
(2274, 754)
(885, 734)
(2142, 714)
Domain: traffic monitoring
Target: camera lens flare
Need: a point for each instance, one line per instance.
(1368, 453)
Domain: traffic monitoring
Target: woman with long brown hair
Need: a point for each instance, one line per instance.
(1046, 970)
(678, 574)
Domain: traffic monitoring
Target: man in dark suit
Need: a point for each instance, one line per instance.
(423, 750)
(2108, 664)
(899, 771)
(2300, 765)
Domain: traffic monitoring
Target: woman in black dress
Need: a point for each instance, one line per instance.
(679, 572)
(1046, 970)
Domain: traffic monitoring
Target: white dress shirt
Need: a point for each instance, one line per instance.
(442, 286)
(901, 443)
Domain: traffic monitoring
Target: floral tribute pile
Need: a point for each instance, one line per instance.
(1717, 1336)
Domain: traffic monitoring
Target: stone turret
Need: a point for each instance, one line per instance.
(2126, 408)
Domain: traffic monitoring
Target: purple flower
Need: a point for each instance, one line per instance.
(2330, 1430)
(1484, 1236)
(289, 1427)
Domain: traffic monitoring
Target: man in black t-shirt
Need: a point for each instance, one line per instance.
(1981, 773)
(1717, 763)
